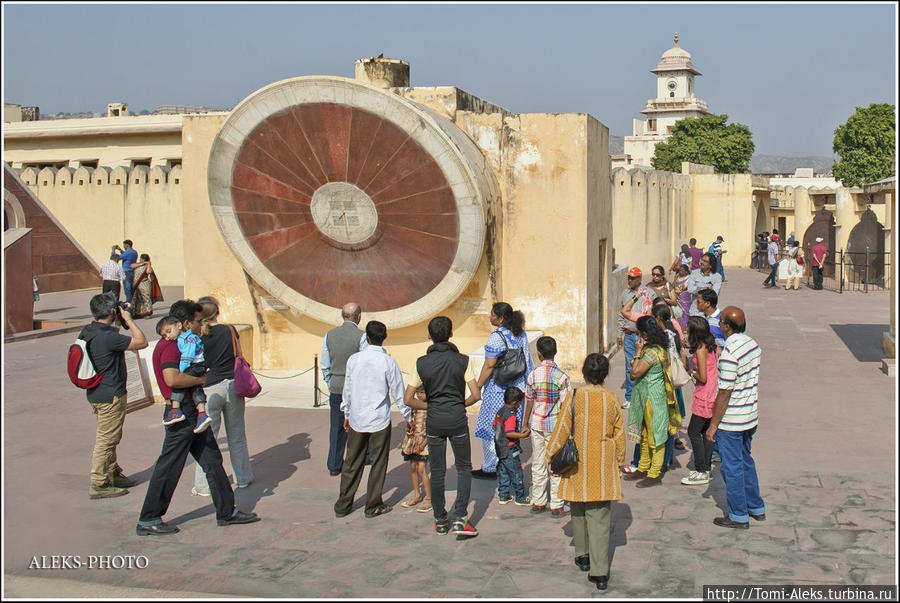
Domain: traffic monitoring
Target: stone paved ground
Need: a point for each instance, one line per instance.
(826, 452)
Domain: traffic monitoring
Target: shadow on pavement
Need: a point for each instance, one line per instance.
(864, 341)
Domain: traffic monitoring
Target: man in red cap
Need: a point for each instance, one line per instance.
(627, 335)
(774, 253)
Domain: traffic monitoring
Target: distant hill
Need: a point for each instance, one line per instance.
(759, 164)
(776, 164)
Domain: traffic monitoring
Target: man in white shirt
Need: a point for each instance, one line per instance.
(372, 378)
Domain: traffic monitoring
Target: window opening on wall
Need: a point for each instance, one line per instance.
(143, 162)
(93, 163)
(173, 162)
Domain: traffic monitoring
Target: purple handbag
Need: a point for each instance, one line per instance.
(245, 383)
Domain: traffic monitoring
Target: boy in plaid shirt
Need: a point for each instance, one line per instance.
(545, 389)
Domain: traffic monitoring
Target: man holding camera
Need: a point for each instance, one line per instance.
(106, 348)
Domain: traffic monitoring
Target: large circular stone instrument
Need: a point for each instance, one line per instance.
(329, 191)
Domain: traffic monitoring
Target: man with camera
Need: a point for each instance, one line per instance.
(106, 348)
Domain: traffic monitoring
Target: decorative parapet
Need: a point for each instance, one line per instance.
(101, 176)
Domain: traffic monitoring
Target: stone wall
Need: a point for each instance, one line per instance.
(652, 214)
(102, 207)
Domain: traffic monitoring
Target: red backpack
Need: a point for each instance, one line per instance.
(80, 367)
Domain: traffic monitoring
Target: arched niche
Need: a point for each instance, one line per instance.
(118, 176)
(138, 174)
(82, 176)
(64, 176)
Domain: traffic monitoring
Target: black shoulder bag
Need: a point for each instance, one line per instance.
(510, 364)
(566, 458)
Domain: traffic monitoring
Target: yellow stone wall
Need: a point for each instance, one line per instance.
(723, 205)
(146, 207)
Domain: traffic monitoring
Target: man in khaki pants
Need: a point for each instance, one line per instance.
(545, 389)
(106, 348)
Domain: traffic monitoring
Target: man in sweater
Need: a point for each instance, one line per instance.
(444, 373)
(340, 343)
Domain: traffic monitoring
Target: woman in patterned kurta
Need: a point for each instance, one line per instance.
(654, 410)
(599, 436)
(510, 326)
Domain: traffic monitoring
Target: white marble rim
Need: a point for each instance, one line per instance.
(416, 122)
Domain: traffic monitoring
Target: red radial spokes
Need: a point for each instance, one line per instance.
(293, 153)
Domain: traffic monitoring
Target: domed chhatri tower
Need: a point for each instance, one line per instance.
(674, 100)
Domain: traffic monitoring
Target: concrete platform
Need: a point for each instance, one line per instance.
(825, 449)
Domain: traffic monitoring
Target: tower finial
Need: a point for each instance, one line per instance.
(676, 38)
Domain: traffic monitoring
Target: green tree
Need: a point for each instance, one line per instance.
(707, 140)
(865, 145)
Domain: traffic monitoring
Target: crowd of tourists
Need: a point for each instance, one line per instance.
(674, 337)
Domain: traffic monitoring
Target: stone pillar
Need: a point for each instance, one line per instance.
(384, 73)
(889, 339)
(803, 211)
(845, 217)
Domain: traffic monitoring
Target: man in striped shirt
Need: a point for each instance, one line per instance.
(545, 389)
(734, 421)
(112, 275)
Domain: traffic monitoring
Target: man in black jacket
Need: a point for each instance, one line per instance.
(106, 348)
(444, 373)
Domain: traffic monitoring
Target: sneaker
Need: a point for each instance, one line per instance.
(203, 422)
(442, 526)
(107, 491)
(696, 478)
(538, 508)
(506, 500)
(716, 458)
(120, 480)
(173, 415)
(627, 404)
(462, 527)
(522, 502)
(196, 492)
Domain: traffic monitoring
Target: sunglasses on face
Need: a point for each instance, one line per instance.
(657, 274)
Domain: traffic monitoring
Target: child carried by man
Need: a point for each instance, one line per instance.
(192, 363)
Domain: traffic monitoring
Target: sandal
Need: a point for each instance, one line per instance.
(679, 445)
(379, 510)
(425, 508)
(411, 503)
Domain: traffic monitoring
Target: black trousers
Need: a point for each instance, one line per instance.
(437, 456)
(114, 286)
(378, 445)
(337, 437)
(818, 272)
(703, 448)
(180, 440)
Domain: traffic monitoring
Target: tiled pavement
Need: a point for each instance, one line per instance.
(826, 452)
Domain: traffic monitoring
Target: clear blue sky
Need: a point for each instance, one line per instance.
(792, 73)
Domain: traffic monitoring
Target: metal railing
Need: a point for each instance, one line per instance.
(862, 271)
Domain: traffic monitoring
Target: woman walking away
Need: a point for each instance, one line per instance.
(510, 335)
(414, 449)
(794, 267)
(221, 346)
(654, 411)
(705, 371)
(599, 436)
(145, 288)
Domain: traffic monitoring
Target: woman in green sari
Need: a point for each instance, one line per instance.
(654, 411)
(146, 288)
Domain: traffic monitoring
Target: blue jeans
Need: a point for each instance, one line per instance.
(509, 475)
(739, 474)
(720, 268)
(127, 283)
(629, 344)
(772, 275)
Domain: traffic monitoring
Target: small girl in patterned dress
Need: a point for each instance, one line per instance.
(415, 450)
